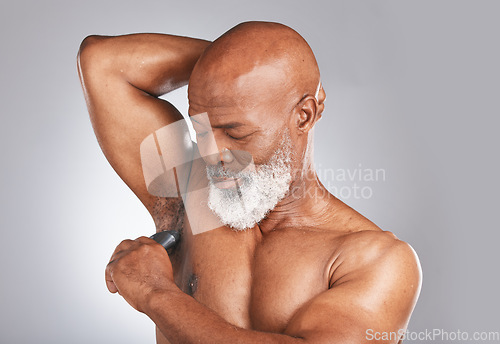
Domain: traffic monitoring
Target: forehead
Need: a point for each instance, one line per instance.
(250, 97)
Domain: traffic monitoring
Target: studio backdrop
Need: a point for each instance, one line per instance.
(408, 138)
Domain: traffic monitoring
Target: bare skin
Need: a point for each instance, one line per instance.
(314, 270)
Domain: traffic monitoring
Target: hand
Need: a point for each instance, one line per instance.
(137, 269)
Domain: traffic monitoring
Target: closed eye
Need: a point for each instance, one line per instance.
(237, 137)
(230, 136)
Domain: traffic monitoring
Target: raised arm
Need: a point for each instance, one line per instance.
(122, 78)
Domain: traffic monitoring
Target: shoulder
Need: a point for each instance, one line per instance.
(375, 254)
(363, 243)
(375, 284)
(369, 243)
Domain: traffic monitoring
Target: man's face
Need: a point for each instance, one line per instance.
(242, 199)
(243, 136)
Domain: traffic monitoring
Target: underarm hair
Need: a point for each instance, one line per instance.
(168, 213)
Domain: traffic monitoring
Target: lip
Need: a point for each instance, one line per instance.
(226, 183)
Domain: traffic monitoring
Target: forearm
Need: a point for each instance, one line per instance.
(182, 319)
(153, 63)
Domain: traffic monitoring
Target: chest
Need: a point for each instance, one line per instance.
(254, 285)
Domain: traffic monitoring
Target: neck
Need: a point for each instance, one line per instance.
(307, 204)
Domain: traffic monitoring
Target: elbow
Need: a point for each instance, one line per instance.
(88, 42)
(89, 51)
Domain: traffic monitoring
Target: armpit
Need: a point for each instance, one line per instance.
(168, 214)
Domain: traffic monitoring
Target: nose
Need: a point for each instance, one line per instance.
(223, 156)
(226, 156)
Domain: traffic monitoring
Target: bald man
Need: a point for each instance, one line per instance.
(290, 264)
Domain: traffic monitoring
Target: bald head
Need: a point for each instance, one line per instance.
(260, 59)
(257, 82)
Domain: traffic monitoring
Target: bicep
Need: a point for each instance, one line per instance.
(371, 301)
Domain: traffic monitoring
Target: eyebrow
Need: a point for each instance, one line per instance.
(223, 126)
(229, 125)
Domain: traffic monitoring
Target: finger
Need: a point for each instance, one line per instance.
(150, 243)
(124, 245)
(145, 240)
(109, 279)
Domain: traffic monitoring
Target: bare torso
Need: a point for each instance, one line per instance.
(258, 280)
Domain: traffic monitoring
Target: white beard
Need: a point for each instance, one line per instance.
(258, 193)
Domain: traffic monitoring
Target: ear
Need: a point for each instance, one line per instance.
(308, 113)
(321, 100)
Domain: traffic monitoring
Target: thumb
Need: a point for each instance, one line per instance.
(111, 286)
(109, 280)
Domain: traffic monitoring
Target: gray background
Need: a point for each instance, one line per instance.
(412, 88)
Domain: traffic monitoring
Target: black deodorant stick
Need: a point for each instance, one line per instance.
(167, 239)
